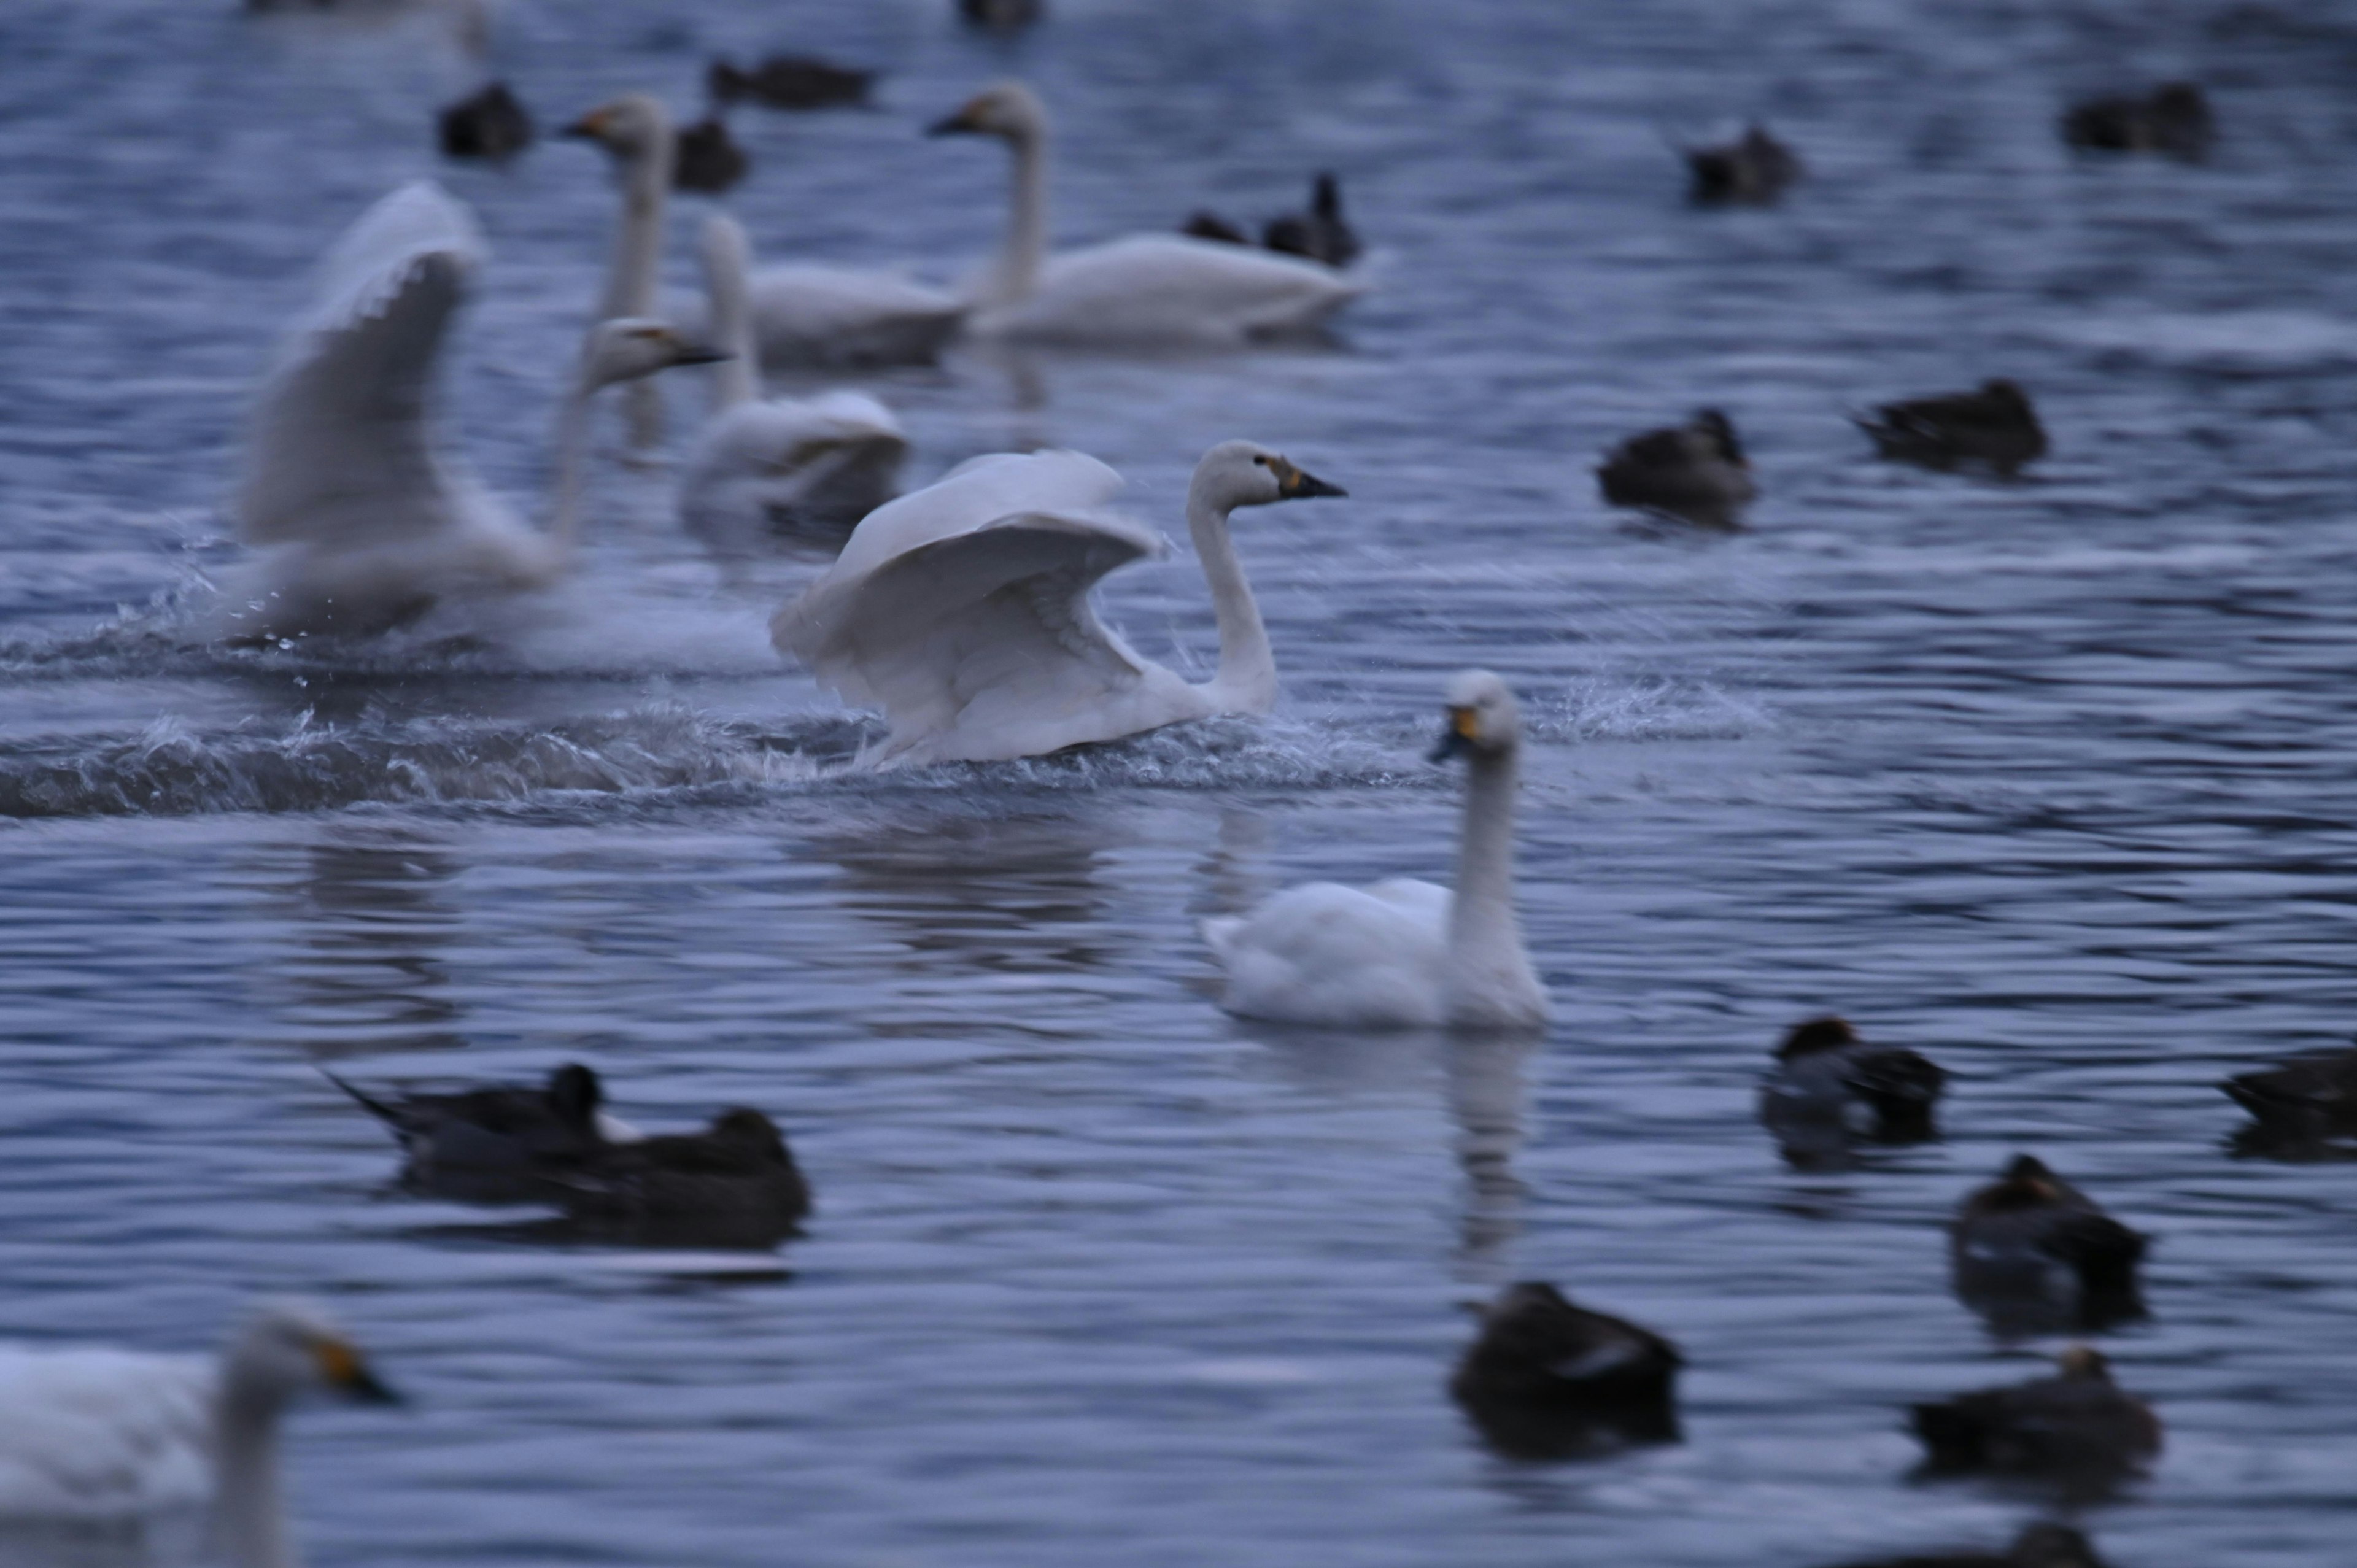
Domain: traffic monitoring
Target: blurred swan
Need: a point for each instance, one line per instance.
(779, 465)
(964, 611)
(364, 524)
(804, 317)
(92, 1433)
(1148, 288)
(1404, 953)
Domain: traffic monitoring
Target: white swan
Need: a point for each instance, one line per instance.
(1148, 288)
(963, 610)
(796, 466)
(362, 522)
(1403, 953)
(804, 317)
(96, 1434)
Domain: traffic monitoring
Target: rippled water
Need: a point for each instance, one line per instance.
(2050, 781)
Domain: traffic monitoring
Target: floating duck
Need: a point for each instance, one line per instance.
(2030, 1251)
(1549, 1379)
(1994, 427)
(1696, 471)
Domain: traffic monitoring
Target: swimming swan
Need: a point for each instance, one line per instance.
(93, 1433)
(1148, 288)
(963, 610)
(779, 465)
(364, 524)
(1404, 954)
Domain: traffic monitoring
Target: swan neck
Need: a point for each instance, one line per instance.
(638, 242)
(1246, 682)
(249, 1516)
(1481, 919)
(1015, 276)
(733, 380)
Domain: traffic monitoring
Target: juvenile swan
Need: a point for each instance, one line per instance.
(963, 610)
(1404, 954)
(364, 524)
(96, 1434)
(1148, 288)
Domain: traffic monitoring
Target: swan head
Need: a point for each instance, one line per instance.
(1483, 717)
(1244, 473)
(289, 1347)
(629, 347)
(632, 126)
(1007, 110)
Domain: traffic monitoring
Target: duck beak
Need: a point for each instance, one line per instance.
(1462, 728)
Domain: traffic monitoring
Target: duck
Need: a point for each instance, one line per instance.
(477, 1142)
(1754, 169)
(1205, 224)
(2030, 1248)
(361, 522)
(770, 469)
(2308, 1099)
(1993, 427)
(964, 610)
(1404, 954)
(707, 158)
(2173, 119)
(733, 1185)
(2041, 1545)
(788, 81)
(804, 317)
(1145, 290)
(2077, 1427)
(1000, 16)
(1696, 471)
(1320, 233)
(1829, 1085)
(96, 1434)
(1546, 1378)
(491, 123)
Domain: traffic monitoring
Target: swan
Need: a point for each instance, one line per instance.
(1403, 953)
(364, 525)
(90, 1433)
(804, 317)
(1148, 288)
(779, 465)
(963, 610)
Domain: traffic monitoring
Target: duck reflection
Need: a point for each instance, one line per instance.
(370, 975)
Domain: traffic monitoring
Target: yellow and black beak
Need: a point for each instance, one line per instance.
(350, 1375)
(964, 123)
(692, 352)
(591, 125)
(1464, 729)
(1295, 486)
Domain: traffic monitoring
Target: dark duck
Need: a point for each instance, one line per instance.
(2042, 1545)
(1754, 169)
(2032, 1253)
(1548, 1380)
(1830, 1088)
(498, 1144)
(2172, 120)
(733, 1185)
(1993, 427)
(2076, 1428)
(1696, 472)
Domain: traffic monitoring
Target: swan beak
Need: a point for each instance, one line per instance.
(695, 353)
(957, 125)
(1464, 729)
(1295, 486)
(591, 125)
(350, 1376)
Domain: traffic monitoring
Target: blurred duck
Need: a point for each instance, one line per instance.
(2030, 1251)
(1696, 471)
(2041, 1545)
(1319, 233)
(477, 1143)
(1754, 169)
(788, 81)
(2299, 1105)
(733, 1185)
(1000, 16)
(491, 124)
(1548, 1380)
(1829, 1086)
(94, 1435)
(1994, 427)
(1202, 224)
(2076, 1428)
(2173, 119)
(707, 158)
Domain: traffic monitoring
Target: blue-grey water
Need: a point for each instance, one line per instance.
(2051, 781)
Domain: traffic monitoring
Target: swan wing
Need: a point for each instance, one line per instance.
(100, 1434)
(1168, 286)
(338, 449)
(1325, 953)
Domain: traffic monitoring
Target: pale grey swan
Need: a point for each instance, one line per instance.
(96, 1434)
(803, 316)
(1405, 953)
(963, 610)
(763, 467)
(1146, 289)
(362, 522)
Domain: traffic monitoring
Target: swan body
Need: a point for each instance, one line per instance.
(964, 610)
(765, 467)
(96, 1434)
(362, 522)
(1404, 954)
(1144, 289)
